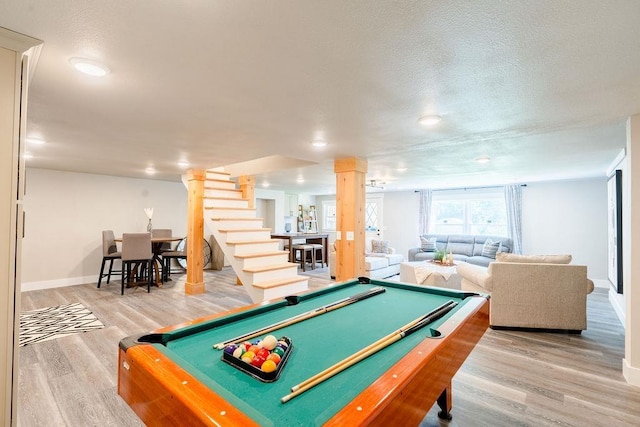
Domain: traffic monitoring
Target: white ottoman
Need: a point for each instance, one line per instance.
(429, 274)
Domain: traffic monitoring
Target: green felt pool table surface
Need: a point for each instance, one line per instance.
(318, 343)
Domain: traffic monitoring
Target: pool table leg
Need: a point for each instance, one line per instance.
(444, 402)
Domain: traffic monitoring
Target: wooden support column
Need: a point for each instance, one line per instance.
(350, 206)
(195, 232)
(248, 186)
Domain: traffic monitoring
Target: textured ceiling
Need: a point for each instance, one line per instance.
(543, 88)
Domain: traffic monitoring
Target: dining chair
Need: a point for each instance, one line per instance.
(136, 249)
(179, 253)
(162, 232)
(109, 253)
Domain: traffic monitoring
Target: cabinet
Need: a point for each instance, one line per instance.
(307, 219)
(290, 204)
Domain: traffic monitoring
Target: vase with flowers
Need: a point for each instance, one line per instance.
(149, 213)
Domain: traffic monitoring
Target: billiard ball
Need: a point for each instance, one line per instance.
(275, 357)
(246, 345)
(239, 351)
(268, 366)
(253, 348)
(248, 356)
(258, 343)
(263, 352)
(230, 348)
(269, 342)
(279, 351)
(257, 360)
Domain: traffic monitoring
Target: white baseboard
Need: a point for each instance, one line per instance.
(617, 302)
(631, 374)
(59, 283)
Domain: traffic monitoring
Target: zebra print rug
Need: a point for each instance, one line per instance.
(55, 322)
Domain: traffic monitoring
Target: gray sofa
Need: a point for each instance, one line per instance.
(464, 247)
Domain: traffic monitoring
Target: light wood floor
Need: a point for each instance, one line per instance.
(510, 379)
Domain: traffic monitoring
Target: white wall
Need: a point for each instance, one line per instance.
(66, 213)
(278, 202)
(568, 217)
(401, 220)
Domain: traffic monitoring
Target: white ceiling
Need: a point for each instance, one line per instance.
(541, 87)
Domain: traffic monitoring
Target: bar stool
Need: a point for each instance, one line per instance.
(303, 250)
(317, 247)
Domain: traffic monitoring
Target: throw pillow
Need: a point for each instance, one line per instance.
(490, 248)
(379, 246)
(427, 245)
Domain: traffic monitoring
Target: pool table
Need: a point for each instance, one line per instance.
(174, 376)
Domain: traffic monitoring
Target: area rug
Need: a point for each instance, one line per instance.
(55, 322)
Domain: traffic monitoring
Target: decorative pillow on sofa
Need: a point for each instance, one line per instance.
(537, 259)
(379, 246)
(427, 245)
(490, 248)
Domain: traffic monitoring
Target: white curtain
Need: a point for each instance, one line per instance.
(513, 201)
(425, 211)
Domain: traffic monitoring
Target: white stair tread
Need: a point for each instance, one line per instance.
(236, 219)
(227, 230)
(280, 282)
(261, 254)
(250, 242)
(270, 267)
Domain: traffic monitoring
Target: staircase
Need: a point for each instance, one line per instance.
(263, 269)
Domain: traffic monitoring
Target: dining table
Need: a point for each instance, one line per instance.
(311, 238)
(156, 250)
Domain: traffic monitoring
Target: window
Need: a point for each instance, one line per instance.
(469, 212)
(328, 215)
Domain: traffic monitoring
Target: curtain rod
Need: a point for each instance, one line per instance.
(468, 188)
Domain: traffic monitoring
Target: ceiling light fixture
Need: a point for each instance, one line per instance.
(27, 156)
(300, 180)
(429, 120)
(183, 164)
(266, 184)
(401, 169)
(87, 66)
(483, 159)
(150, 171)
(319, 143)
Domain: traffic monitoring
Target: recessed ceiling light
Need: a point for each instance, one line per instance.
(483, 159)
(300, 180)
(35, 141)
(183, 164)
(27, 155)
(430, 120)
(319, 143)
(401, 169)
(266, 184)
(87, 66)
(150, 171)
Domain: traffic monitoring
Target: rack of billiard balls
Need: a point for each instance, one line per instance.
(262, 358)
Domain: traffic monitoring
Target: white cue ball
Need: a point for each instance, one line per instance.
(269, 342)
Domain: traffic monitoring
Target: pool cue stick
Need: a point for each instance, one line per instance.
(303, 316)
(433, 312)
(375, 347)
